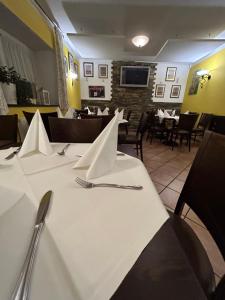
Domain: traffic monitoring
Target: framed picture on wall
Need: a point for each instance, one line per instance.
(175, 91)
(171, 74)
(71, 62)
(88, 69)
(102, 71)
(194, 84)
(160, 90)
(46, 97)
(96, 91)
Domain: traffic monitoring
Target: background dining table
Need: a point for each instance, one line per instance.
(98, 243)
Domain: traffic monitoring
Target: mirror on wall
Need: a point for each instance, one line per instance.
(27, 64)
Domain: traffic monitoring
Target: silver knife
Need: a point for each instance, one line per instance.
(21, 291)
(11, 155)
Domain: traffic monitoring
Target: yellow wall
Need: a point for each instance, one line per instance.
(30, 16)
(73, 86)
(210, 98)
(19, 110)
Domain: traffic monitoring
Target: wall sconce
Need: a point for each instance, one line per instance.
(204, 76)
(73, 76)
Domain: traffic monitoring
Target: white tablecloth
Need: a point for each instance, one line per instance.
(176, 118)
(92, 236)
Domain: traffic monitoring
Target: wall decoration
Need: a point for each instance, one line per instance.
(160, 90)
(71, 62)
(88, 69)
(175, 91)
(96, 91)
(171, 73)
(66, 65)
(194, 84)
(46, 97)
(76, 70)
(102, 71)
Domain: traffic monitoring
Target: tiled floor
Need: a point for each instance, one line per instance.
(168, 170)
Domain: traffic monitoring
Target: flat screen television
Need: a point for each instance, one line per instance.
(134, 76)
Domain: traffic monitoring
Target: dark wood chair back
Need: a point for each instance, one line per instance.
(8, 130)
(143, 123)
(217, 124)
(187, 121)
(204, 189)
(105, 119)
(44, 116)
(74, 130)
(128, 115)
(205, 120)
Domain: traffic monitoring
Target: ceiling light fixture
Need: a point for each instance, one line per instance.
(140, 40)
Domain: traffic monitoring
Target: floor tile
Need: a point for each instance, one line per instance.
(193, 217)
(161, 177)
(176, 185)
(183, 175)
(169, 197)
(159, 187)
(212, 250)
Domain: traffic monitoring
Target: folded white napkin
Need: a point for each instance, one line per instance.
(166, 114)
(36, 139)
(105, 112)
(116, 111)
(101, 156)
(59, 113)
(160, 113)
(187, 112)
(99, 112)
(173, 113)
(121, 115)
(69, 113)
(87, 108)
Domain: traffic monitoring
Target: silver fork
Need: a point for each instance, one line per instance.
(11, 155)
(88, 185)
(63, 151)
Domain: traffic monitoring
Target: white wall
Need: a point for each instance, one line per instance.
(85, 82)
(181, 79)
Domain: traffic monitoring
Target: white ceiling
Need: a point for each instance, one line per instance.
(179, 30)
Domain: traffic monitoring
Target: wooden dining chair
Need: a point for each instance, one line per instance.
(202, 126)
(124, 126)
(217, 124)
(184, 129)
(136, 139)
(204, 193)
(44, 116)
(8, 131)
(74, 130)
(105, 119)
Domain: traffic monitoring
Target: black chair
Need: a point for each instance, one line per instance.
(217, 124)
(105, 119)
(44, 116)
(125, 126)
(74, 130)
(203, 125)
(8, 131)
(162, 130)
(136, 139)
(184, 129)
(204, 192)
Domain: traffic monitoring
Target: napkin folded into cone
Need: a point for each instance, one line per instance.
(69, 113)
(105, 112)
(88, 109)
(166, 114)
(59, 113)
(36, 139)
(99, 112)
(121, 115)
(101, 156)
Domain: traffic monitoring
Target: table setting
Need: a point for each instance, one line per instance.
(102, 211)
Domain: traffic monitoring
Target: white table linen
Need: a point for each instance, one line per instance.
(96, 234)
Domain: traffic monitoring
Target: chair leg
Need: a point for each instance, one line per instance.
(189, 142)
(141, 151)
(137, 149)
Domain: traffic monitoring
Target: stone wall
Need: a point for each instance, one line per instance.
(131, 98)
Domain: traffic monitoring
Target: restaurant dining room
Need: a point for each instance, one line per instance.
(112, 150)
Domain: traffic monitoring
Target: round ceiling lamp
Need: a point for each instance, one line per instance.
(140, 41)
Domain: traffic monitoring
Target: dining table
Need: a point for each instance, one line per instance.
(98, 243)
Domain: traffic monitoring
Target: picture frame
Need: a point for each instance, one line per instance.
(88, 68)
(102, 71)
(46, 97)
(193, 90)
(160, 90)
(171, 74)
(71, 62)
(96, 91)
(175, 91)
(65, 65)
